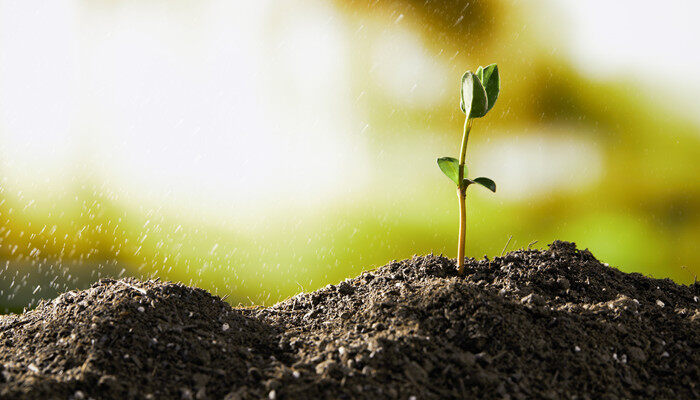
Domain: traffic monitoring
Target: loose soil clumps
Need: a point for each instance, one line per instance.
(129, 339)
(532, 324)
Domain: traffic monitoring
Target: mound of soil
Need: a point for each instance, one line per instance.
(532, 324)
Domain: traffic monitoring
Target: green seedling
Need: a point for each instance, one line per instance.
(478, 95)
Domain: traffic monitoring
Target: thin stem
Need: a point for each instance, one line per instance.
(465, 139)
(462, 195)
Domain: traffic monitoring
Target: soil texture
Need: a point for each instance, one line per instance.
(549, 324)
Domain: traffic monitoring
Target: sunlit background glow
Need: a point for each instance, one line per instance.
(261, 148)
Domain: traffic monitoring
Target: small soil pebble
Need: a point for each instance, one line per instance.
(551, 324)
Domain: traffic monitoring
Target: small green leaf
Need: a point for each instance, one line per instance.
(450, 167)
(492, 83)
(473, 102)
(462, 106)
(480, 74)
(487, 183)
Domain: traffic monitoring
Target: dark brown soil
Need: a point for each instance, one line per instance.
(532, 324)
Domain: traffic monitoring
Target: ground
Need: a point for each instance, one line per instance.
(531, 324)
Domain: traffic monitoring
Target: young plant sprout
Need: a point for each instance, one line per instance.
(479, 93)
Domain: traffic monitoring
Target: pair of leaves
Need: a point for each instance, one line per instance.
(479, 91)
(450, 167)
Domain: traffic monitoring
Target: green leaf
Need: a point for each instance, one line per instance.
(480, 74)
(492, 83)
(450, 167)
(461, 96)
(473, 102)
(487, 183)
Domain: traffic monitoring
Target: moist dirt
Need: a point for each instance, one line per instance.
(547, 324)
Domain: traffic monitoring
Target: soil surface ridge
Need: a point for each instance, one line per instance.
(550, 324)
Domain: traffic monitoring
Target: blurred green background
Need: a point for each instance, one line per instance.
(257, 149)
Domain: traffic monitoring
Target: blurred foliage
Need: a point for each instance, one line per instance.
(641, 215)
